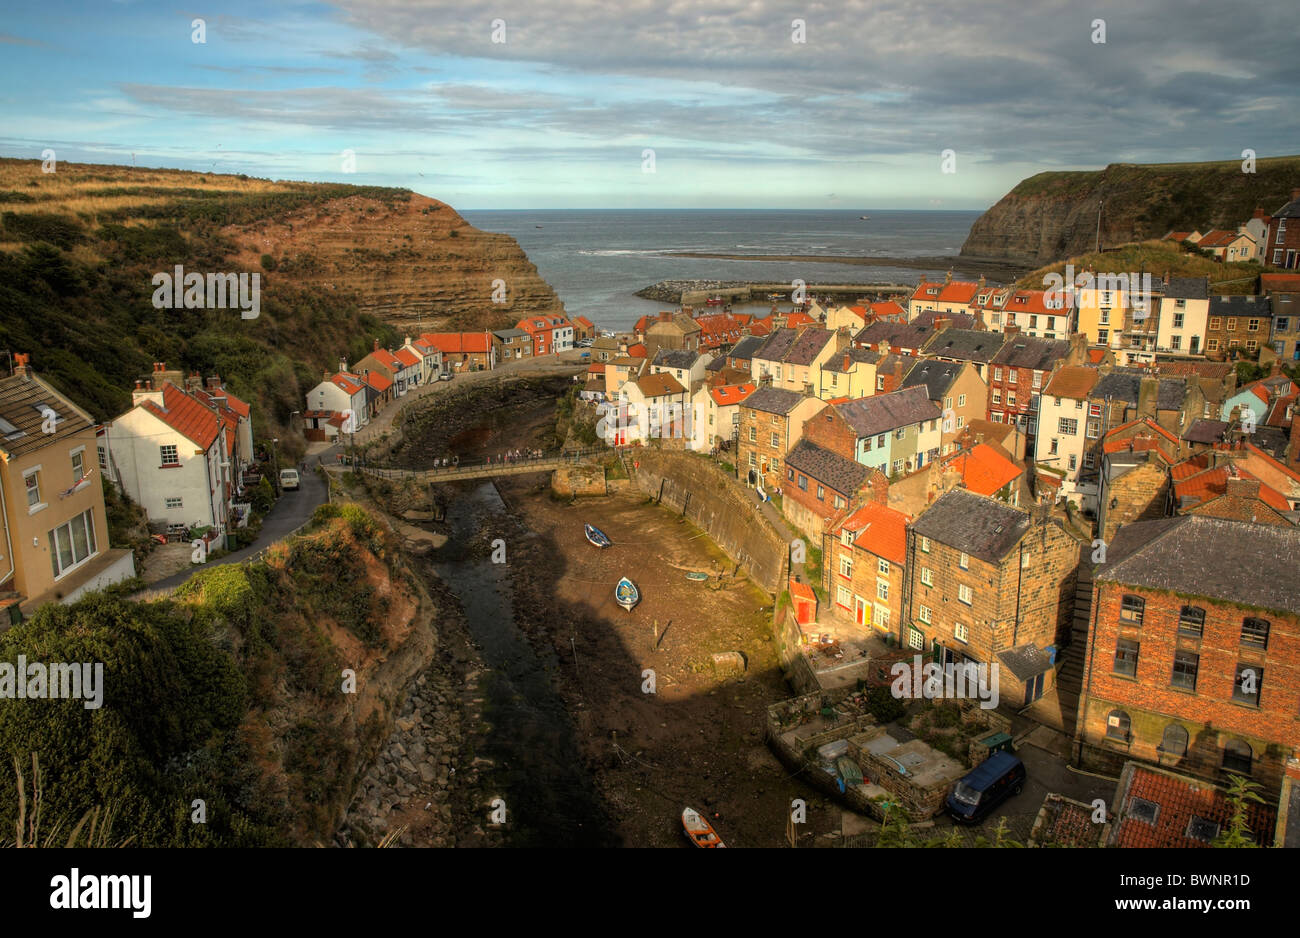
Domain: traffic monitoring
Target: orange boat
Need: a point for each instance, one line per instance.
(699, 831)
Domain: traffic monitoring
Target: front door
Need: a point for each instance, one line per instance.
(860, 611)
(1033, 690)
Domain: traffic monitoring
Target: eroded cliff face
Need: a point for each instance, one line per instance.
(417, 265)
(1053, 216)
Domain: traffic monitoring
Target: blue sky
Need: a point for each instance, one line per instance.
(738, 115)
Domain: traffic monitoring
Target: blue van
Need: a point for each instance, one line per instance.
(984, 787)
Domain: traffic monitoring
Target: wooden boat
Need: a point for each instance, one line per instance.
(596, 536)
(699, 831)
(849, 770)
(694, 575)
(626, 594)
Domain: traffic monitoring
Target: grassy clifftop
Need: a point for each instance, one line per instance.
(1051, 216)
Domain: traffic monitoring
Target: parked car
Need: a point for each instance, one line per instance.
(289, 480)
(983, 788)
(445, 376)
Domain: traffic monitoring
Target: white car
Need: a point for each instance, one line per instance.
(289, 479)
(445, 376)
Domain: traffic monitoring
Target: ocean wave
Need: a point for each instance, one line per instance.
(620, 252)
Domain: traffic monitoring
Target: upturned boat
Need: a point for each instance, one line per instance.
(626, 594)
(699, 831)
(596, 536)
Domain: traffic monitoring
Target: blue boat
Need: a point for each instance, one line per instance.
(626, 594)
(596, 536)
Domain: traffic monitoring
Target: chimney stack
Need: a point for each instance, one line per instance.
(1242, 487)
(1012, 331)
(343, 364)
(941, 323)
(22, 366)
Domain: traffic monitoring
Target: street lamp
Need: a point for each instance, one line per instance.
(275, 466)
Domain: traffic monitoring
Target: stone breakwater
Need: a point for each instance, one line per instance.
(696, 292)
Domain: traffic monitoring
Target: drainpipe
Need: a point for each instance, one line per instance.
(13, 565)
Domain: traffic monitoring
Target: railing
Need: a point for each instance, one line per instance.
(476, 466)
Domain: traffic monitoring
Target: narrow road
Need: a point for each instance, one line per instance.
(289, 513)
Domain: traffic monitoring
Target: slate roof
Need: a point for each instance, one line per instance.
(1204, 430)
(870, 416)
(1240, 306)
(808, 346)
(937, 376)
(778, 345)
(22, 403)
(1025, 351)
(1188, 288)
(773, 400)
(1289, 210)
(982, 527)
(746, 347)
(965, 344)
(675, 358)
(831, 469)
(854, 355)
(1124, 384)
(1234, 561)
(517, 333)
(1026, 661)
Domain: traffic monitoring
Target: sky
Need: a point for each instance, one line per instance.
(536, 104)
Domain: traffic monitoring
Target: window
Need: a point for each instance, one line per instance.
(1251, 345)
(1178, 317)
(1238, 756)
(73, 543)
(1103, 336)
(1074, 462)
(927, 576)
(1230, 323)
(843, 597)
(880, 383)
(1117, 725)
(1011, 375)
(924, 614)
(789, 474)
(925, 545)
(960, 632)
(1174, 741)
(753, 435)
(103, 458)
(961, 400)
(776, 440)
(840, 502)
(1130, 609)
(916, 639)
(78, 463)
(1011, 399)
(947, 403)
(1126, 657)
(1247, 683)
(1281, 324)
(803, 482)
(821, 494)
(1216, 322)
(1176, 342)
(1252, 325)
(846, 538)
(964, 594)
(1191, 621)
(1054, 444)
(900, 433)
(1254, 632)
(846, 566)
(32, 480)
(1185, 667)
(169, 455)
(1211, 345)
(753, 462)
(964, 561)
(882, 567)
(1089, 461)
(997, 374)
(882, 590)
(1068, 426)
(880, 441)
(898, 465)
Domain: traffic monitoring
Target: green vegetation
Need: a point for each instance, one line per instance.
(226, 692)
(884, 706)
(1156, 258)
(1241, 792)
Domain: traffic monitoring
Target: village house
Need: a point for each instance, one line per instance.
(1123, 395)
(414, 372)
(1134, 481)
(1282, 246)
(51, 500)
(950, 296)
(849, 373)
(513, 343)
(964, 345)
(771, 422)
(1067, 423)
(336, 405)
(910, 336)
(686, 366)
(606, 348)
(1194, 648)
(1016, 376)
(236, 414)
(990, 584)
(1210, 484)
(1031, 312)
(1217, 380)
(1110, 306)
(431, 366)
(863, 569)
(741, 354)
(550, 334)
(1237, 324)
(716, 415)
(718, 331)
(956, 389)
(1256, 402)
(673, 331)
(172, 455)
(1204, 474)
(1229, 246)
(1284, 335)
(380, 391)
(619, 371)
(1161, 809)
(387, 364)
(1183, 316)
(657, 408)
(896, 432)
(583, 328)
(818, 486)
(463, 351)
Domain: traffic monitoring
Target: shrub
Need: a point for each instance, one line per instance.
(884, 706)
(268, 262)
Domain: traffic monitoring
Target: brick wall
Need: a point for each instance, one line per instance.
(1209, 714)
(763, 425)
(1140, 494)
(829, 430)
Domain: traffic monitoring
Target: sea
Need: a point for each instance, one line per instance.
(596, 260)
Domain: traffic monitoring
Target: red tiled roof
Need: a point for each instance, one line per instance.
(186, 415)
(387, 359)
(1033, 301)
(407, 357)
(1149, 424)
(1218, 238)
(658, 385)
(597, 368)
(378, 381)
(636, 351)
(879, 529)
(1211, 483)
(1179, 800)
(983, 469)
(239, 407)
(1072, 381)
(731, 393)
(1279, 283)
(350, 384)
(1095, 355)
(458, 343)
(585, 322)
(887, 309)
(798, 319)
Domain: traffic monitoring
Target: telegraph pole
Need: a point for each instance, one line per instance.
(1100, 203)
